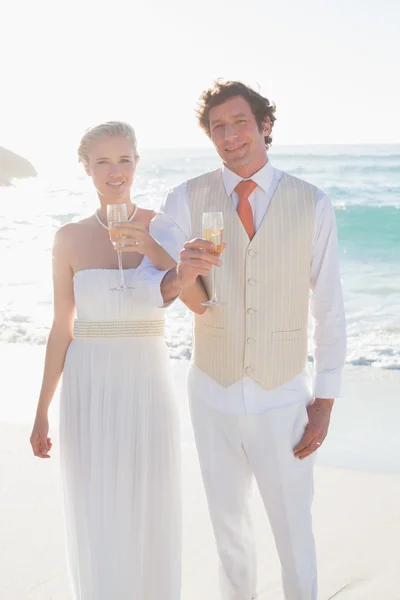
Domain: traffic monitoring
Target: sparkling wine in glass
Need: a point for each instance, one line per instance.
(117, 213)
(213, 231)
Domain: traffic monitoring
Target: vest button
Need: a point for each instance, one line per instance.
(248, 370)
(252, 281)
(251, 252)
(250, 311)
(250, 340)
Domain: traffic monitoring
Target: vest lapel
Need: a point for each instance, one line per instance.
(274, 199)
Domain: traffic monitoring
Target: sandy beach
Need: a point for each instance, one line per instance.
(356, 508)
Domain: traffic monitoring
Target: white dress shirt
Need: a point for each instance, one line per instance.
(172, 228)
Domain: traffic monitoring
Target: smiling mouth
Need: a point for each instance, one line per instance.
(115, 183)
(237, 147)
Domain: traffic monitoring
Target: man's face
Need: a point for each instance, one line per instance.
(236, 136)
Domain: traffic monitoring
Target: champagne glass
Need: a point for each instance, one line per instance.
(213, 231)
(117, 213)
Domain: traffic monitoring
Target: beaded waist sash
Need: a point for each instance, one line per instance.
(89, 330)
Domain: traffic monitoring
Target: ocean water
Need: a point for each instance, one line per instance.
(363, 183)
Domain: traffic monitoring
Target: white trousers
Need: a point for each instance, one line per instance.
(232, 449)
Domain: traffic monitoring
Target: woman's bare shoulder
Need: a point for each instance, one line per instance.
(70, 231)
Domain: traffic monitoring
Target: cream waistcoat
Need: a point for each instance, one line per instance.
(262, 331)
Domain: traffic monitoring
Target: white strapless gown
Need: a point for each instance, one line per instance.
(120, 451)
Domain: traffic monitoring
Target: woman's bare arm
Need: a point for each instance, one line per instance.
(191, 295)
(138, 239)
(158, 256)
(59, 339)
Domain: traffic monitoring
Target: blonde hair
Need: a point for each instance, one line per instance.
(110, 129)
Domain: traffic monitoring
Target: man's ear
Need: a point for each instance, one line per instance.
(267, 127)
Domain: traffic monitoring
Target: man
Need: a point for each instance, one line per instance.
(254, 410)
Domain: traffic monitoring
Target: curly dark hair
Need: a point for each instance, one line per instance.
(223, 90)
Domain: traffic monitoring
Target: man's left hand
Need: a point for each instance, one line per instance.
(319, 415)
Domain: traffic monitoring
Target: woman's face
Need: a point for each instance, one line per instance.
(112, 165)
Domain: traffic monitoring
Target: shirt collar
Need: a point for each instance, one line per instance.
(263, 178)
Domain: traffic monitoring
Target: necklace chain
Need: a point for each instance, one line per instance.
(96, 214)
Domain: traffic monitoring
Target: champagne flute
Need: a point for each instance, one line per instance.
(213, 231)
(117, 213)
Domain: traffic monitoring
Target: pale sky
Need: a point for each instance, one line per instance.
(332, 67)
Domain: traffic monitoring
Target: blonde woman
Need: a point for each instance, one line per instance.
(118, 429)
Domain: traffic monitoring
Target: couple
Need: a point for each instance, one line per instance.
(254, 410)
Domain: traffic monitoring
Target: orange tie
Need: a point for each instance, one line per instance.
(244, 189)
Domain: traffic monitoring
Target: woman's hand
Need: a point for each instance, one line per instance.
(133, 237)
(40, 442)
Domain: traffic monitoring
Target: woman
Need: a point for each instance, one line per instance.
(118, 429)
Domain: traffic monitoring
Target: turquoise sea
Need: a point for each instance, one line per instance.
(363, 183)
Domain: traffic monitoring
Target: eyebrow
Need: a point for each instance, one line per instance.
(107, 158)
